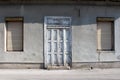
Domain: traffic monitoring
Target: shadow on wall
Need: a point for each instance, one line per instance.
(82, 16)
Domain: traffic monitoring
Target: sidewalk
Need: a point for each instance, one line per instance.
(77, 74)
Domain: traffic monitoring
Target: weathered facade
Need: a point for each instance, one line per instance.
(59, 34)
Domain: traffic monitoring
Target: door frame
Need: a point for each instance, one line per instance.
(45, 36)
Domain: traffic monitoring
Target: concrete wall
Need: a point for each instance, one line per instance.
(84, 31)
(84, 34)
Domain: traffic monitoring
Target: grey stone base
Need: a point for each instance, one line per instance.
(21, 65)
(91, 65)
(75, 65)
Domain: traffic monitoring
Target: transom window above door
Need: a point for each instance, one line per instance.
(59, 22)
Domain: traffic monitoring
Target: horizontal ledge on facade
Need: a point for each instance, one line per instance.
(3, 62)
(83, 2)
(96, 62)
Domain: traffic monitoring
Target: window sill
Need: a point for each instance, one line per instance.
(105, 51)
(14, 51)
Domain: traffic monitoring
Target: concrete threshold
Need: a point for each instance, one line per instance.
(58, 68)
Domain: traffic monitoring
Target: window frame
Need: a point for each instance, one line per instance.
(107, 19)
(14, 19)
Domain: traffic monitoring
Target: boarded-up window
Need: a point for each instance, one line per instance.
(14, 34)
(105, 35)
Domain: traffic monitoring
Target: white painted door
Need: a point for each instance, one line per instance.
(58, 45)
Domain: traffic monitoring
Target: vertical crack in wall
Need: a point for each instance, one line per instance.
(99, 56)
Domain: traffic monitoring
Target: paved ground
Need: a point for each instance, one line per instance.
(34, 74)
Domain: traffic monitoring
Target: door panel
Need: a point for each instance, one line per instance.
(58, 45)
